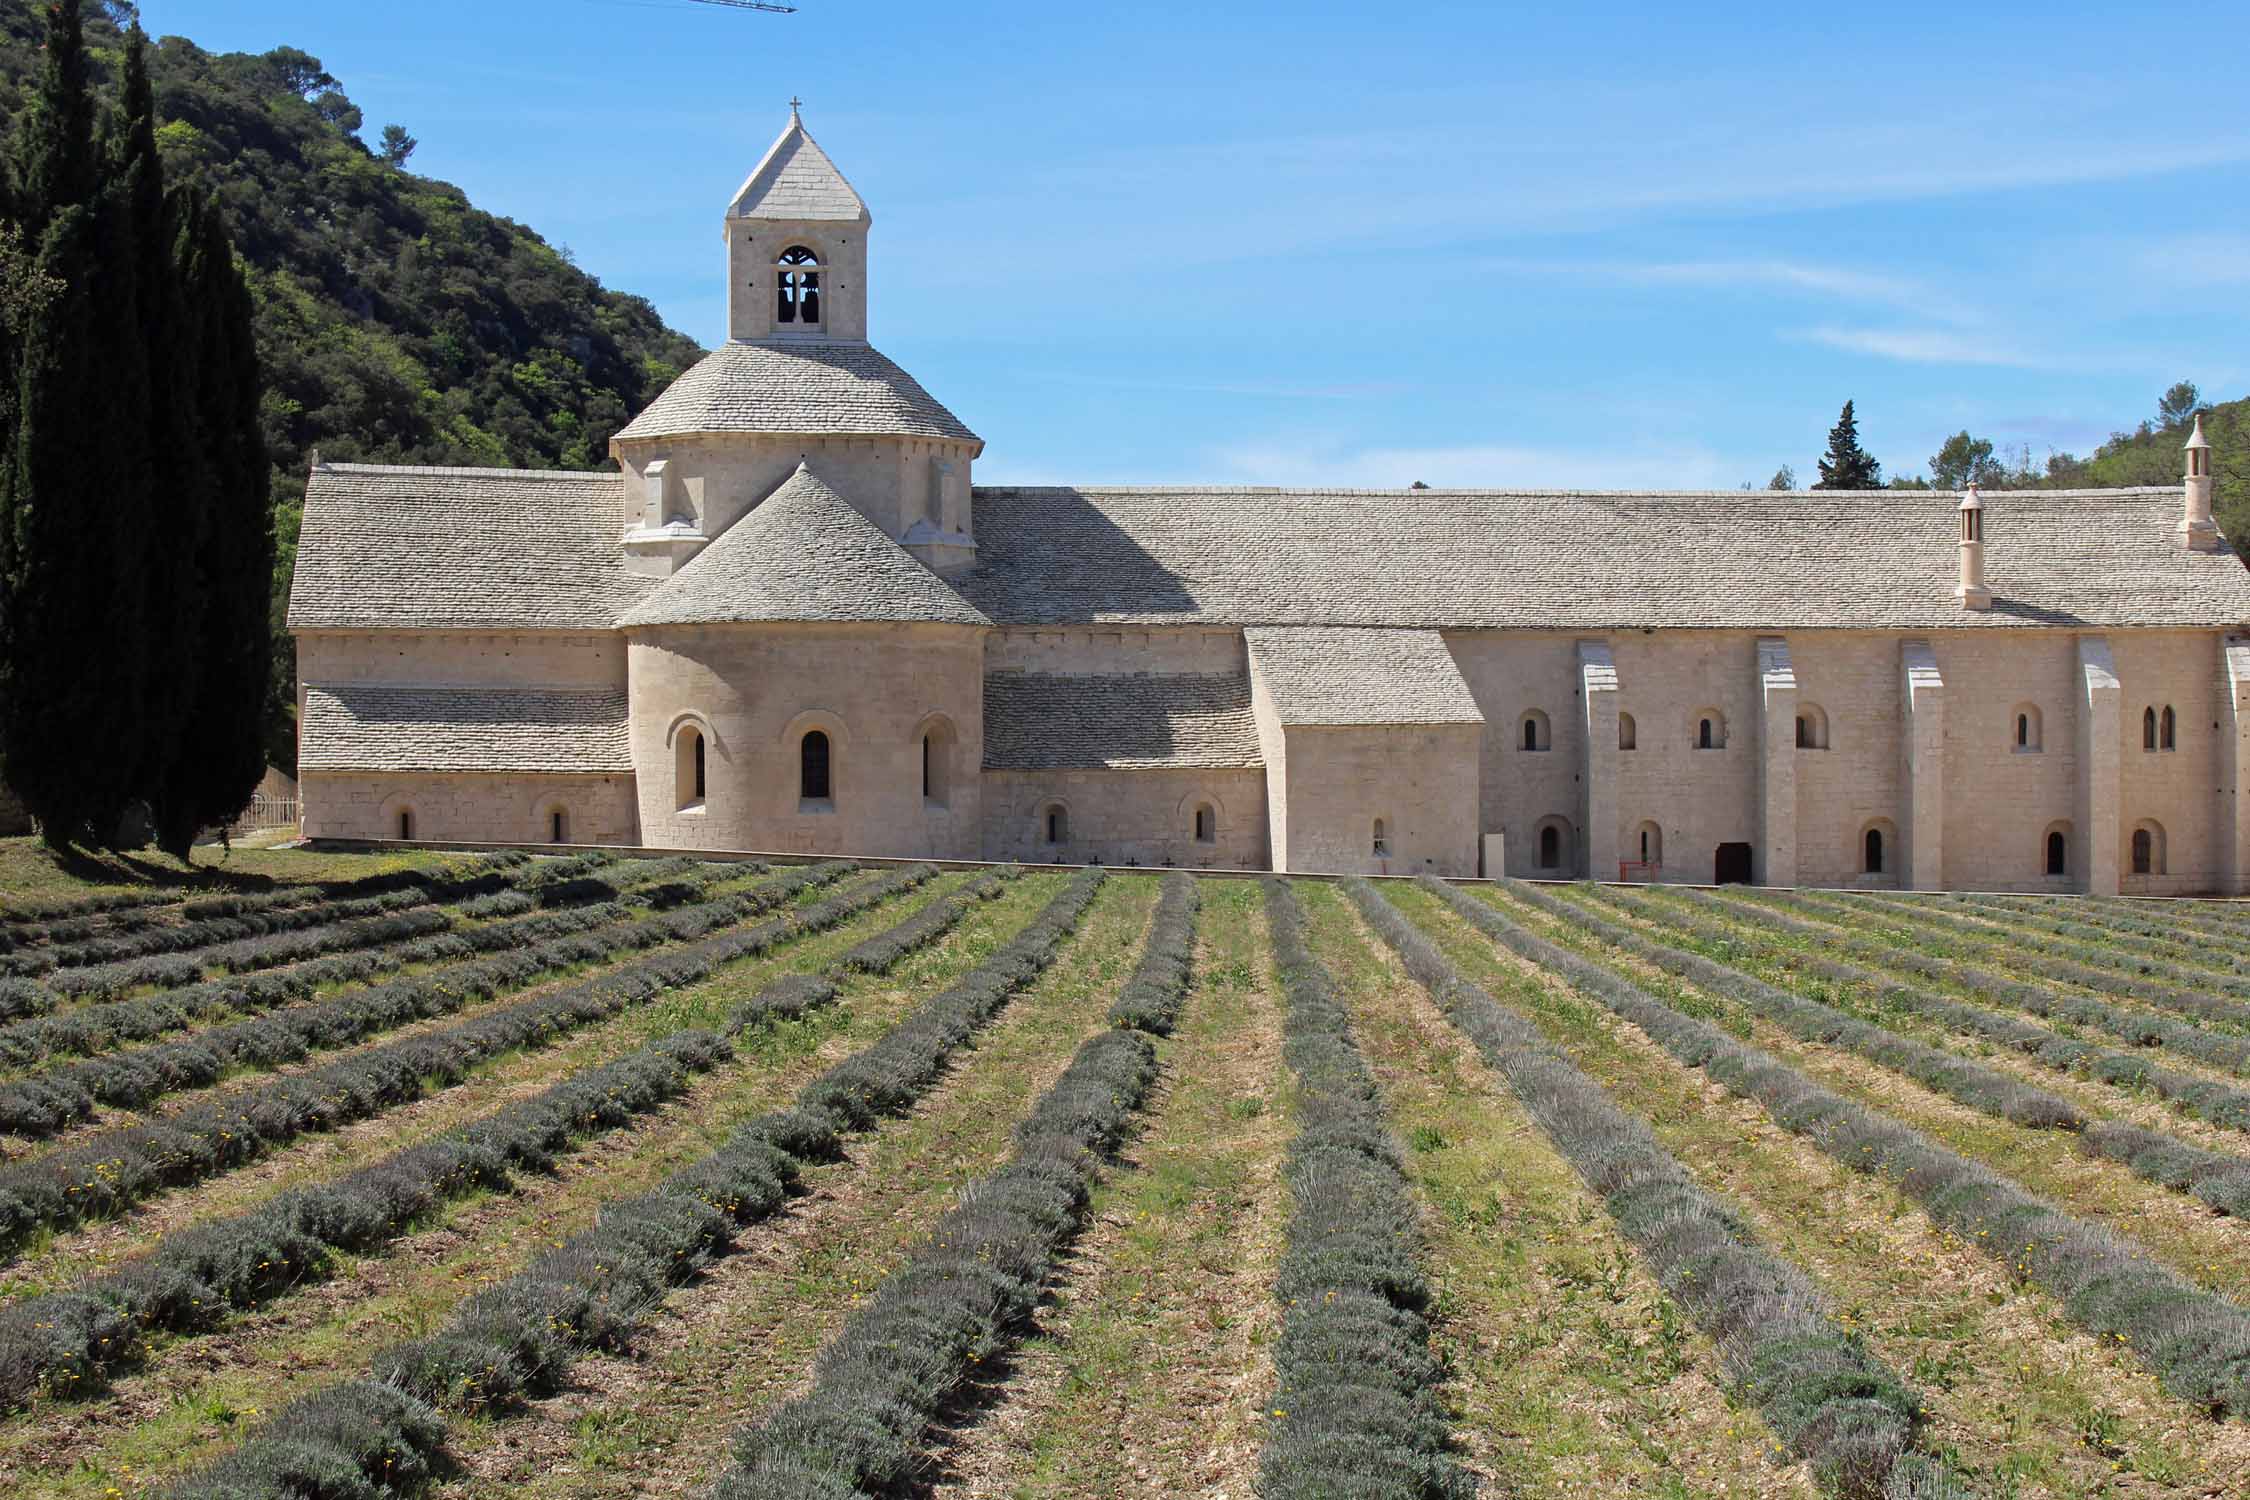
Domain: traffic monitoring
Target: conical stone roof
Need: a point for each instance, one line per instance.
(803, 555)
(796, 181)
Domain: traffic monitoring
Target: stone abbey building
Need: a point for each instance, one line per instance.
(789, 621)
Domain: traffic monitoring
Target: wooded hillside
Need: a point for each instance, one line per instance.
(396, 322)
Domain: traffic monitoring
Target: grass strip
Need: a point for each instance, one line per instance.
(2197, 1344)
(381, 1436)
(1828, 1400)
(965, 1293)
(69, 1343)
(2219, 1103)
(2220, 1179)
(880, 952)
(120, 1167)
(1356, 1402)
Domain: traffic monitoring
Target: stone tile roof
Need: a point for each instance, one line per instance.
(796, 386)
(400, 548)
(796, 180)
(803, 554)
(383, 727)
(1329, 675)
(1583, 561)
(1035, 721)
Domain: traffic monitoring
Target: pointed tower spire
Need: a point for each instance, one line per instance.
(796, 237)
(2198, 533)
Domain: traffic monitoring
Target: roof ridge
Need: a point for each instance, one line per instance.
(465, 471)
(1517, 492)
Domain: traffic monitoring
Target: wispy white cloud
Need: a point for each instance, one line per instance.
(1934, 346)
(2199, 259)
(1842, 283)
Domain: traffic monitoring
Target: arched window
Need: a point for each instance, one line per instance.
(1206, 824)
(1651, 838)
(2166, 738)
(797, 287)
(1554, 851)
(1382, 843)
(2148, 729)
(2030, 735)
(688, 770)
(1710, 729)
(1535, 731)
(2058, 852)
(1812, 727)
(558, 825)
(2148, 848)
(1057, 821)
(1874, 861)
(812, 766)
(406, 822)
(937, 763)
(1628, 733)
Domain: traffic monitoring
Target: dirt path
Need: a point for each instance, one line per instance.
(1150, 1367)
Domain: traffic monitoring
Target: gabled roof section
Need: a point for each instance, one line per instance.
(397, 548)
(361, 726)
(1036, 721)
(796, 386)
(1321, 675)
(797, 181)
(803, 554)
(1576, 560)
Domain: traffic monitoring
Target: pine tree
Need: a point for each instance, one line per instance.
(222, 745)
(73, 546)
(1846, 465)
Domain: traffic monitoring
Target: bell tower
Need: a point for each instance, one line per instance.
(797, 247)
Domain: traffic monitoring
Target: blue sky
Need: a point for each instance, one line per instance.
(1365, 244)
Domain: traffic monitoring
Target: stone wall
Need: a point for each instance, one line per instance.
(476, 809)
(1129, 817)
(755, 691)
(1420, 780)
(715, 480)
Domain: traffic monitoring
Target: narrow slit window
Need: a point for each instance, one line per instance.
(1058, 825)
(812, 767)
(2148, 729)
(1382, 843)
(699, 769)
(1874, 851)
(1703, 737)
(1206, 825)
(406, 822)
(558, 827)
(2167, 730)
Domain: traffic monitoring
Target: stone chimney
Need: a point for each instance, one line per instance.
(1972, 594)
(2197, 533)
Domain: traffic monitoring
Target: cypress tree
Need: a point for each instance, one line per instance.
(1847, 466)
(221, 745)
(73, 547)
(166, 236)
